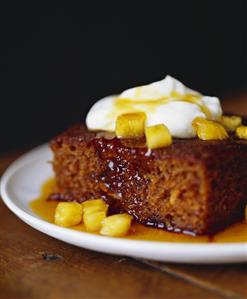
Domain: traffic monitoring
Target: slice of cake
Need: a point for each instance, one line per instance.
(191, 185)
(187, 184)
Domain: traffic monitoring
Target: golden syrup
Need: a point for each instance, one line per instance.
(234, 233)
(125, 105)
(43, 208)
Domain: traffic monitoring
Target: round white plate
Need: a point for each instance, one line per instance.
(21, 183)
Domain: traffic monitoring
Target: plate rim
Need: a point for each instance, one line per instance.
(215, 250)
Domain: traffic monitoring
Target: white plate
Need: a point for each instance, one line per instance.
(21, 183)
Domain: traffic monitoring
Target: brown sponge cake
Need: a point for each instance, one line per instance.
(193, 185)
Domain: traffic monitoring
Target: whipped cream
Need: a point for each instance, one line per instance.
(167, 102)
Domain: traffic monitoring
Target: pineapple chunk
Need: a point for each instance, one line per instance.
(208, 129)
(158, 136)
(95, 205)
(68, 214)
(130, 124)
(116, 225)
(94, 211)
(241, 132)
(231, 122)
(93, 221)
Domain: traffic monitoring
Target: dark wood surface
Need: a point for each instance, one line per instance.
(33, 265)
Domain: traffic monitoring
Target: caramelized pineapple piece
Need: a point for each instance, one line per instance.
(93, 221)
(241, 132)
(130, 124)
(68, 214)
(95, 205)
(158, 136)
(94, 211)
(116, 225)
(231, 122)
(209, 130)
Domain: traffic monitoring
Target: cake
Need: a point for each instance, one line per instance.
(187, 185)
(192, 185)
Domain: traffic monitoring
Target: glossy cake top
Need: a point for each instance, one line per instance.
(192, 148)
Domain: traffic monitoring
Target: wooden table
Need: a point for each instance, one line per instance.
(33, 265)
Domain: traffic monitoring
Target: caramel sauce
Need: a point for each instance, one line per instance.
(123, 105)
(235, 233)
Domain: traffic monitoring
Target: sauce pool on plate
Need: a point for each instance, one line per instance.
(235, 233)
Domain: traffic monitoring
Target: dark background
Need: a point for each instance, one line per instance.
(57, 61)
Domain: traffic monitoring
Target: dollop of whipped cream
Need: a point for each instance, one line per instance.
(167, 102)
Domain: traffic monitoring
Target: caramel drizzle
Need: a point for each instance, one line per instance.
(124, 105)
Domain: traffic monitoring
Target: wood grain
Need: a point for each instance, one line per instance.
(228, 280)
